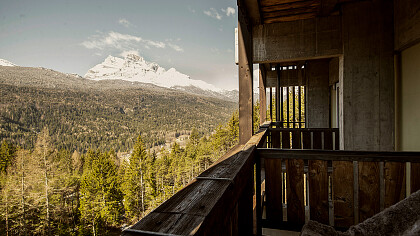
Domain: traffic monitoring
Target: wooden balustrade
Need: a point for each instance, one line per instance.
(218, 202)
(305, 176)
(340, 188)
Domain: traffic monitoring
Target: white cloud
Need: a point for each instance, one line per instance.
(124, 42)
(229, 11)
(124, 22)
(125, 53)
(213, 13)
(175, 47)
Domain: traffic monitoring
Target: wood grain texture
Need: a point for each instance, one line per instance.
(369, 191)
(295, 194)
(317, 140)
(328, 140)
(296, 139)
(285, 140)
(343, 193)
(318, 191)
(273, 188)
(415, 177)
(394, 177)
(306, 140)
(275, 139)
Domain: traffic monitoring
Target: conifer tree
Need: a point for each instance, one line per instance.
(133, 187)
(101, 198)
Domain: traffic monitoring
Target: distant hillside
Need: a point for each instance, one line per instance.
(82, 114)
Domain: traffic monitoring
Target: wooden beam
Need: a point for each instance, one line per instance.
(245, 80)
(290, 12)
(263, 94)
(285, 6)
(277, 19)
(327, 155)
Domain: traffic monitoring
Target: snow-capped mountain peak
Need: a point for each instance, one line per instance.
(6, 63)
(136, 69)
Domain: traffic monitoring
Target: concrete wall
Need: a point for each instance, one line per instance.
(409, 124)
(317, 74)
(367, 80)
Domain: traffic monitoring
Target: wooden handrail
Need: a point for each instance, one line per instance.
(328, 155)
(220, 199)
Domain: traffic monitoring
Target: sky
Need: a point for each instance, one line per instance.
(194, 36)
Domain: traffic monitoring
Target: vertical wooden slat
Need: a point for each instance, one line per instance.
(369, 191)
(306, 140)
(258, 205)
(294, 106)
(271, 104)
(275, 138)
(318, 191)
(317, 140)
(300, 106)
(296, 139)
(245, 211)
(415, 177)
(285, 140)
(262, 93)
(281, 107)
(287, 109)
(343, 193)
(278, 95)
(337, 140)
(295, 195)
(273, 189)
(394, 177)
(328, 140)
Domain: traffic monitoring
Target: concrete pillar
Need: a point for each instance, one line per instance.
(318, 103)
(245, 78)
(367, 99)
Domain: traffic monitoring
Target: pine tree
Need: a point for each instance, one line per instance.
(133, 187)
(101, 198)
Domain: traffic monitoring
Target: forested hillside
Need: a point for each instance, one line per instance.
(82, 114)
(60, 172)
(49, 191)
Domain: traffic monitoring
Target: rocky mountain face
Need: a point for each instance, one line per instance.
(135, 69)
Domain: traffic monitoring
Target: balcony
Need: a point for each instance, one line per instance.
(298, 175)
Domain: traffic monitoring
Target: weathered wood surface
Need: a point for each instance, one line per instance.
(295, 195)
(343, 193)
(206, 206)
(415, 177)
(273, 189)
(245, 74)
(318, 191)
(285, 140)
(275, 139)
(317, 140)
(394, 177)
(369, 191)
(328, 155)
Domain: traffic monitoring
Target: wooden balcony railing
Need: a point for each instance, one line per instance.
(339, 188)
(218, 202)
(291, 185)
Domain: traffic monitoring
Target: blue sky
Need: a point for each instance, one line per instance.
(194, 36)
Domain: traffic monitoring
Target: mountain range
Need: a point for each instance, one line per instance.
(84, 113)
(135, 69)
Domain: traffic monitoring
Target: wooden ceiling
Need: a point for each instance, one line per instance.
(288, 10)
(273, 11)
